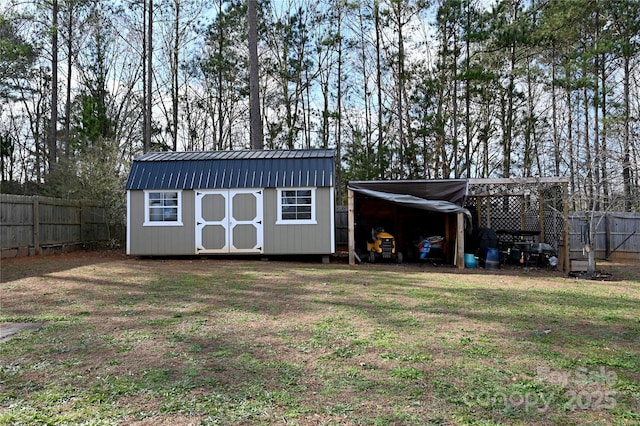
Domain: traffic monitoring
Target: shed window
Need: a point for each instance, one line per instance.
(163, 208)
(297, 206)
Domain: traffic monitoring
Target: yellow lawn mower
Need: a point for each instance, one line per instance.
(383, 246)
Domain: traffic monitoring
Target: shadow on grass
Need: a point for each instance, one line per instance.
(260, 329)
(12, 269)
(159, 287)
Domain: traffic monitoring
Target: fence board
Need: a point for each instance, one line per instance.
(30, 223)
(341, 231)
(616, 232)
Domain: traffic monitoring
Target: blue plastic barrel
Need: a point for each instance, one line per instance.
(493, 259)
(470, 261)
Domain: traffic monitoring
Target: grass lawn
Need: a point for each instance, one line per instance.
(220, 341)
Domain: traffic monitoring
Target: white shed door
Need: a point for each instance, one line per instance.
(229, 221)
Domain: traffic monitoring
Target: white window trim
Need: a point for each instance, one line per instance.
(148, 222)
(312, 221)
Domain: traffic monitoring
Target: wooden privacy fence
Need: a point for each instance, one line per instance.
(342, 229)
(617, 234)
(33, 225)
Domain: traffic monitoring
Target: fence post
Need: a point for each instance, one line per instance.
(607, 236)
(82, 217)
(459, 240)
(523, 221)
(541, 218)
(566, 259)
(36, 224)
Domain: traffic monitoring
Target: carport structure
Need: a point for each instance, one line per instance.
(408, 209)
(514, 207)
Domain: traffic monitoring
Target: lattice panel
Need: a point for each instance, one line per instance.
(519, 211)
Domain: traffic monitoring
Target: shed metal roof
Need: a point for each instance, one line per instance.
(232, 169)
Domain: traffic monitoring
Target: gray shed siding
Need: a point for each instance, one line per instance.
(160, 240)
(300, 239)
(278, 238)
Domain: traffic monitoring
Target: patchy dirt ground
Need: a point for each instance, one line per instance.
(26, 267)
(20, 267)
(10, 329)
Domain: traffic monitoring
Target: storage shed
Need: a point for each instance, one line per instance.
(265, 202)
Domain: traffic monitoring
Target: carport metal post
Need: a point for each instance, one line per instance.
(460, 241)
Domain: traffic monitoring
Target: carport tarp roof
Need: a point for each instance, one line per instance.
(233, 169)
(445, 196)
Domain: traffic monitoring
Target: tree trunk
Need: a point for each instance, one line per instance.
(467, 96)
(145, 145)
(220, 103)
(454, 106)
(530, 148)
(53, 123)
(257, 140)
(626, 155)
(554, 114)
(603, 139)
(595, 164)
(67, 108)
(399, 94)
(572, 162)
(509, 119)
(306, 119)
(587, 148)
(366, 98)
(338, 159)
(149, 78)
(325, 113)
(376, 14)
(174, 76)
